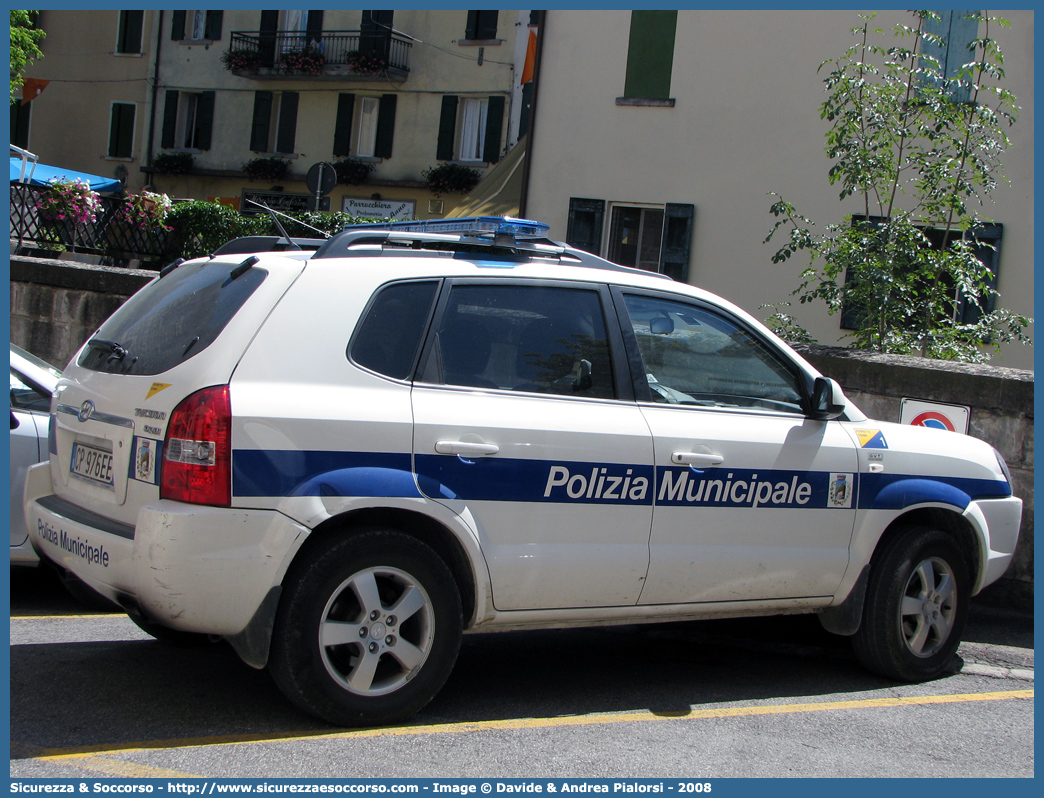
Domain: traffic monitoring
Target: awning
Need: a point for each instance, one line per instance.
(43, 174)
(499, 193)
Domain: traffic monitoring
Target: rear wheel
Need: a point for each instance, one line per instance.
(368, 629)
(916, 607)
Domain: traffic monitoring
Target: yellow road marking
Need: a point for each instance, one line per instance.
(70, 617)
(87, 756)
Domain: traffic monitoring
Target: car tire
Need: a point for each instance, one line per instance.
(368, 629)
(916, 606)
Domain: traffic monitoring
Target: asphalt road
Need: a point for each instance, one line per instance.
(94, 697)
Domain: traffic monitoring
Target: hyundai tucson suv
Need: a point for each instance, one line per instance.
(340, 463)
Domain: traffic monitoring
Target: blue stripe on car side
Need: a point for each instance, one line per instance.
(279, 473)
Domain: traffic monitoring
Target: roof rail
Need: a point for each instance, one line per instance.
(508, 239)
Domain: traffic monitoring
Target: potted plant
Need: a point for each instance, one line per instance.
(65, 206)
(266, 168)
(368, 62)
(173, 163)
(450, 178)
(309, 60)
(242, 60)
(352, 172)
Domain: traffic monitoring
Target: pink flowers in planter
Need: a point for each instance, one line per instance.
(69, 201)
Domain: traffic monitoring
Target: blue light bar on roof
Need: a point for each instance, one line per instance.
(479, 225)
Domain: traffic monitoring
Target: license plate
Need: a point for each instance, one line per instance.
(92, 464)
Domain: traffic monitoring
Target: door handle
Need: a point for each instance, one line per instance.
(466, 448)
(698, 459)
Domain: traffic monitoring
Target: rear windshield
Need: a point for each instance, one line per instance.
(171, 320)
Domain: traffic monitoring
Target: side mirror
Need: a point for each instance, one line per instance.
(828, 400)
(14, 421)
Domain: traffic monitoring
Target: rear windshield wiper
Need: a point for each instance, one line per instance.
(116, 352)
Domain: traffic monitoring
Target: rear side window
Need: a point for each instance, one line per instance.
(171, 320)
(390, 334)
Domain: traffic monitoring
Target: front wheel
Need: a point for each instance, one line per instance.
(916, 607)
(368, 629)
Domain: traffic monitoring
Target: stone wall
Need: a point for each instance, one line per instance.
(56, 305)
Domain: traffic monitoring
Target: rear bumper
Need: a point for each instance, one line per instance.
(188, 567)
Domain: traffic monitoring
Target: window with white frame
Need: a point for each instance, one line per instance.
(366, 139)
(474, 112)
(634, 236)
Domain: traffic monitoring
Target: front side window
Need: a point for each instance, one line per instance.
(695, 356)
(533, 339)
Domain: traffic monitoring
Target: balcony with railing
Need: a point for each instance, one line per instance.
(353, 54)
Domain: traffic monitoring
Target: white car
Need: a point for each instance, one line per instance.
(32, 381)
(341, 463)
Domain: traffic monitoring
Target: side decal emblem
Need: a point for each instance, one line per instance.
(86, 410)
(156, 388)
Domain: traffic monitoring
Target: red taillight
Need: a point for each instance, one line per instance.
(197, 453)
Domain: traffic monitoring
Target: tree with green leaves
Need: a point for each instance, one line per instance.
(919, 146)
(25, 48)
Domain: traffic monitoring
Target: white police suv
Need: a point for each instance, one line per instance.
(340, 462)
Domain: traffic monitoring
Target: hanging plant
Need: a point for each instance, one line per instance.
(368, 62)
(308, 60)
(242, 60)
(450, 178)
(64, 207)
(173, 163)
(266, 168)
(145, 210)
(69, 201)
(352, 172)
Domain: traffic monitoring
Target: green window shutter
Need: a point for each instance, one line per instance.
(130, 32)
(957, 32)
(287, 133)
(314, 26)
(170, 119)
(205, 119)
(343, 125)
(212, 26)
(650, 54)
(677, 241)
(20, 124)
(481, 25)
(494, 126)
(267, 37)
(177, 26)
(447, 127)
(385, 126)
(261, 122)
(586, 219)
(121, 130)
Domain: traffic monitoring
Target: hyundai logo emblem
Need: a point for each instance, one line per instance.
(86, 410)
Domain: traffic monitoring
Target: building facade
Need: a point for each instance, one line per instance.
(657, 145)
(92, 114)
(394, 92)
